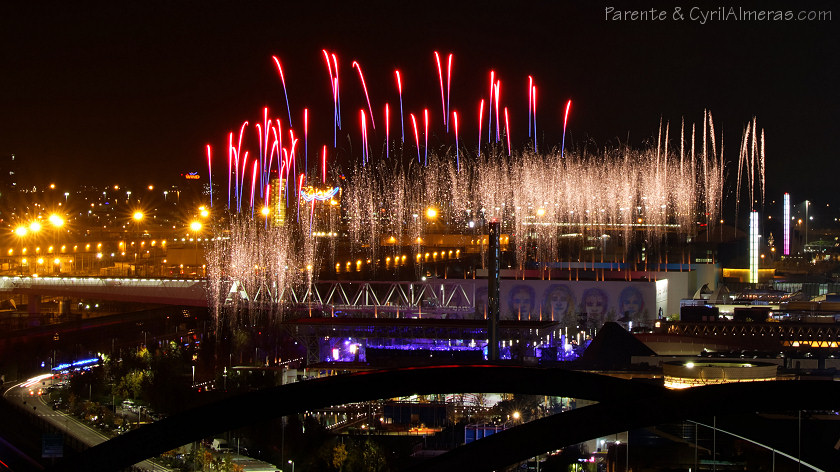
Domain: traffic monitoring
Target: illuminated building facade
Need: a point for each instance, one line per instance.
(277, 202)
(753, 247)
(786, 225)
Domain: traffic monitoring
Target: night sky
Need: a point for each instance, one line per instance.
(130, 92)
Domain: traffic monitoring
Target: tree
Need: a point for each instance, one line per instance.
(131, 384)
(227, 464)
(339, 456)
(241, 341)
(205, 460)
(373, 459)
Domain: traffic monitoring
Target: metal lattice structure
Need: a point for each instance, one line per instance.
(388, 299)
(792, 335)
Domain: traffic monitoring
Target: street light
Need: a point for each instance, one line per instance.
(138, 217)
(195, 226)
(293, 464)
(56, 220)
(265, 212)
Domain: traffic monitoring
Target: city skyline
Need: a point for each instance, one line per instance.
(563, 225)
(131, 94)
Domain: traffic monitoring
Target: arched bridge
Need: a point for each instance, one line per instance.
(623, 405)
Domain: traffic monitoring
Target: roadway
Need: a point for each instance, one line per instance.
(188, 292)
(27, 398)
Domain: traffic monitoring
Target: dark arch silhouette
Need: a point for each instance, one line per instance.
(251, 407)
(554, 432)
(624, 404)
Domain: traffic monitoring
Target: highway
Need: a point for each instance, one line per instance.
(25, 395)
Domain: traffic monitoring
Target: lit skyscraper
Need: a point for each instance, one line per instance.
(786, 225)
(754, 247)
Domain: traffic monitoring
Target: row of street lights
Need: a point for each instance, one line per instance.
(56, 221)
(195, 227)
(34, 227)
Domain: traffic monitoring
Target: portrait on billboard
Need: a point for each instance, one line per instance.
(594, 305)
(631, 305)
(559, 305)
(521, 303)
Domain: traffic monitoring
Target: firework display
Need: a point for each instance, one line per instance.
(540, 198)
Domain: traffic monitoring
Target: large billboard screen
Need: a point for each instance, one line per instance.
(572, 302)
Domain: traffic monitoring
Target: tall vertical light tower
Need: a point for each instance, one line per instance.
(753, 247)
(277, 201)
(786, 225)
(494, 255)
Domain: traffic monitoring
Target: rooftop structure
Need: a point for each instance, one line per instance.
(685, 374)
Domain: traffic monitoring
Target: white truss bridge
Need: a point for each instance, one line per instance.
(440, 296)
(448, 296)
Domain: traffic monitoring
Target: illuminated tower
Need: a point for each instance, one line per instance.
(786, 225)
(753, 247)
(277, 201)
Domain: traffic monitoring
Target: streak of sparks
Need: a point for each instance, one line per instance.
(565, 122)
(402, 120)
(364, 86)
(416, 135)
(283, 81)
